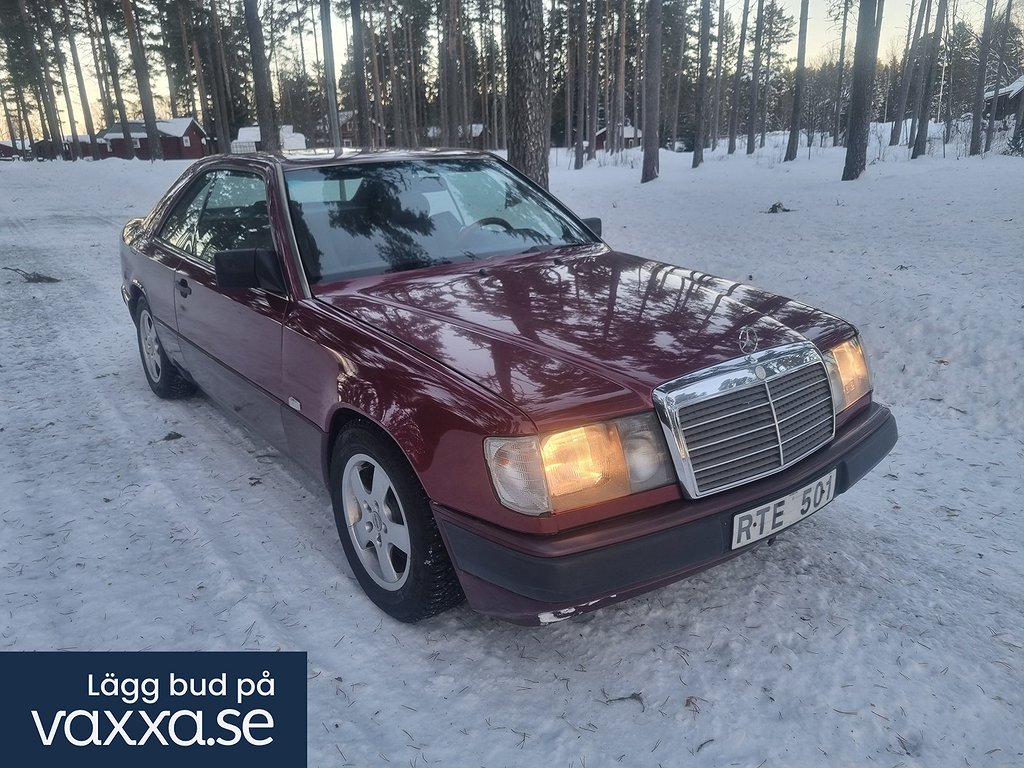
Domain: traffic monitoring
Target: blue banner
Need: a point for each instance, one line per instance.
(155, 709)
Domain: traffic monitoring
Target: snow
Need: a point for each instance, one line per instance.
(177, 126)
(886, 630)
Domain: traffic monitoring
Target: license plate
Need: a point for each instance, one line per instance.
(769, 519)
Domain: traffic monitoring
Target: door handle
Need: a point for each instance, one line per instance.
(183, 287)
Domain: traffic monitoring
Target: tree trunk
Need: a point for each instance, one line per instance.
(755, 78)
(737, 81)
(798, 91)
(359, 73)
(924, 117)
(99, 64)
(223, 79)
(80, 80)
(620, 80)
(115, 79)
(36, 67)
(156, 150)
(652, 92)
(595, 78)
(637, 66)
(677, 92)
(768, 50)
(527, 142)
(25, 121)
(840, 67)
(397, 102)
(860, 92)
(979, 83)
(269, 137)
(999, 79)
(716, 101)
(222, 123)
(330, 83)
(378, 100)
(186, 48)
(922, 57)
(7, 117)
(702, 82)
(204, 101)
(570, 70)
(581, 81)
(165, 53)
(910, 53)
(414, 121)
(62, 67)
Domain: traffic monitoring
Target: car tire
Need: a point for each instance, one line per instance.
(163, 376)
(387, 529)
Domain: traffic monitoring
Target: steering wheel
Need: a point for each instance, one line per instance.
(489, 221)
(466, 235)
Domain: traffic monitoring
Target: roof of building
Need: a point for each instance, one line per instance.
(175, 127)
(1011, 90)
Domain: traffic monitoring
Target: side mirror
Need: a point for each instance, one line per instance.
(249, 268)
(594, 225)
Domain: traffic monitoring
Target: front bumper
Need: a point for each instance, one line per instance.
(532, 579)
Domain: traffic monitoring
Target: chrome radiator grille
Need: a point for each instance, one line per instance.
(746, 419)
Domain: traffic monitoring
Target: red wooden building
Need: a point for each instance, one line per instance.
(181, 138)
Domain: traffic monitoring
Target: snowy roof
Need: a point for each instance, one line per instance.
(249, 133)
(289, 138)
(21, 144)
(176, 127)
(1011, 90)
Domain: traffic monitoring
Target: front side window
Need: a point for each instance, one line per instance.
(223, 210)
(374, 218)
(179, 228)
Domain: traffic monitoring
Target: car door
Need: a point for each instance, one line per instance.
(231, 338)
(175, 237)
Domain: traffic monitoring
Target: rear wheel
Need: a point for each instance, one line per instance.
(163, 376)
(387, 529)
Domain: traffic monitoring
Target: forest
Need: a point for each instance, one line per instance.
(686, 75)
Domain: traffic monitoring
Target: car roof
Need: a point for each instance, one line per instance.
(307, 158)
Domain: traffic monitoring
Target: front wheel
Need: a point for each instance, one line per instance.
(387, 529)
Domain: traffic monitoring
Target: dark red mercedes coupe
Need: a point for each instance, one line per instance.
(503, 407)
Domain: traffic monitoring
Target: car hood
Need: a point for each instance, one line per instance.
(576, 333)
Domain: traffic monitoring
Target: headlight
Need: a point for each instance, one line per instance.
(579, 467)
(848, 373)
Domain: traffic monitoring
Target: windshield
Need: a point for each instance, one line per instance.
(373, 218)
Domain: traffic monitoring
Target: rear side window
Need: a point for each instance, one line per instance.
(222, 211)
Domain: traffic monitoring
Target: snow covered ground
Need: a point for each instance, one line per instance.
(888, 630)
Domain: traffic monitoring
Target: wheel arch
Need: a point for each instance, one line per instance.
(135, 291)
(345, 416)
